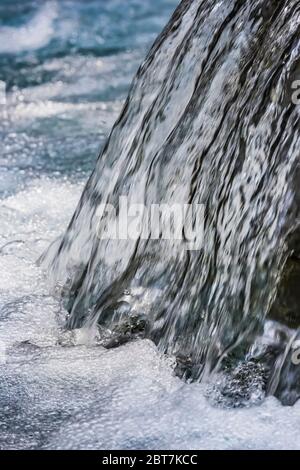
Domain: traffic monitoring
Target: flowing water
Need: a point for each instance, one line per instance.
(66, 68)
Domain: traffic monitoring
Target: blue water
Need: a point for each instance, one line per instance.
(66, 67)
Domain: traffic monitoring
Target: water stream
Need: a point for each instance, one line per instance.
(194, 129)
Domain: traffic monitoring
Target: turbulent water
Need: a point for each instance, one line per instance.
(66, 67)
(209, 120)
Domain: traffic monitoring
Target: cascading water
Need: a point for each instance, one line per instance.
(210, 119)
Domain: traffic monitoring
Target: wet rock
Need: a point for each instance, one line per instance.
(185, 367)
(131, 328)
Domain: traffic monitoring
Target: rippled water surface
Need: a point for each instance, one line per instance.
(65, 70)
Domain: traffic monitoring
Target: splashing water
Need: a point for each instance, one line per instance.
(33, 35)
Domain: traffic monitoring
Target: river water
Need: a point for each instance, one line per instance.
(65, 70)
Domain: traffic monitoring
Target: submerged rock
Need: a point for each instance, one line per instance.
(286, 308)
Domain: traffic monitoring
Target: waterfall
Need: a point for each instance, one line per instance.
(212, 118)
